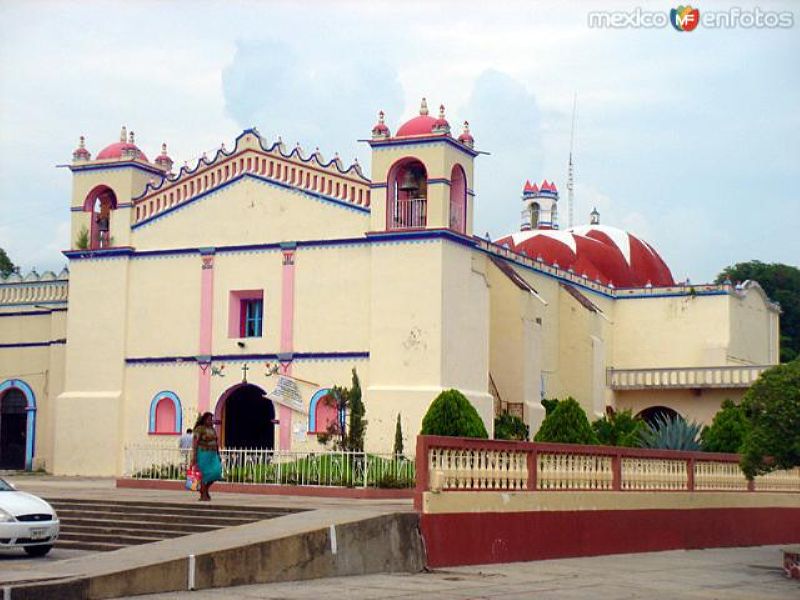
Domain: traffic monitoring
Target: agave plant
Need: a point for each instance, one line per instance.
(667, 433)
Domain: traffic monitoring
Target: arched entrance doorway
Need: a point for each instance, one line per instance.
(13, 429)
(651, 414)
(246, 418)
(17, 424)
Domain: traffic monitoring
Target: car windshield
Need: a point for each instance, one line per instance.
(5, 486)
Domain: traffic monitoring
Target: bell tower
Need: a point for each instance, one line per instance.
(422, 176)
(426, 282)
(92, 400)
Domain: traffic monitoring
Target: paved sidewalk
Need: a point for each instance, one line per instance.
(104, 488)
(724, 574)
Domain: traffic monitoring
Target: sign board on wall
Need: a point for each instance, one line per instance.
(287, 392)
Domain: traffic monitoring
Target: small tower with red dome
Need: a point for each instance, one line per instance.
(539, 206)
(422, 176)
(104, 187)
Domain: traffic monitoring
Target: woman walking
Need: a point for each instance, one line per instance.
(205, 453)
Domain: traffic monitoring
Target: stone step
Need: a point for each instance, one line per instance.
(88, 546)
(178, 528)
(122, 531)
(193, 505)
(192, 510)
(124, 540)
(153, 517)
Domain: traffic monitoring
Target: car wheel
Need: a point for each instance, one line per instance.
(38, 550)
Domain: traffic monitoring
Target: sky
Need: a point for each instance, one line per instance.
(690, 140)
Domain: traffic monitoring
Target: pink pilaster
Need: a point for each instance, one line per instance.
(287, 340)
(205, 333)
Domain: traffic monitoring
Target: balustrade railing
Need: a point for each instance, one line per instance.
(263, 466)
(738, 376)
(408, 213)
(458, 464)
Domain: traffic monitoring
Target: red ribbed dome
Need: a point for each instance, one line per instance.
(421, 125)
(120, 149)
(599, 252)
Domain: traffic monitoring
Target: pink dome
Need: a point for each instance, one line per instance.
(120, 150)
(421, 125)
(600, 252)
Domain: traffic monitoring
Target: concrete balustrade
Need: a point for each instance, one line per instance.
(738, 376)
(460, 464)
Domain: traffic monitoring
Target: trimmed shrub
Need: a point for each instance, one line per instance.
(398, 438)
(618, 429)
(452, 414)
(510, 427)
(566, 424)
(727, 431)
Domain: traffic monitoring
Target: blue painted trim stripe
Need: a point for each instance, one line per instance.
(119, 165)
(173, 397)
(50, 303)
(28, 313)
(99, 253)
(241, 177)
(422, 142)
(33, 344)
(30, 409)
(247, 357)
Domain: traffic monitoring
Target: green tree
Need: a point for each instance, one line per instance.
(347, 402)
(452, 414)
(398, 438)
(510, 427)
(782, 284)
(567, 424)
(6, 266)
(727, 431)
(772, 406)
(358, 426)
(549, 405)
(618, 429)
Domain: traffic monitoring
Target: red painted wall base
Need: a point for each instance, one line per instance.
(482, 538)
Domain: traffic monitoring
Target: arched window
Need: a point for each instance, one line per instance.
(458, 199)
(166, 416)
(407, 191)
(322, 412)
(535, 210)
(100, 203)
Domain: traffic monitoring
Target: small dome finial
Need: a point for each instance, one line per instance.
(441, 111)
(467, 139)
(594, 217)
(82, 143)
(381, 116)
(423, 107)
(130, 138)
(123, 135)
(380, 130)
(164, 149)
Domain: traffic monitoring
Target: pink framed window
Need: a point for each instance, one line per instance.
(246, 313)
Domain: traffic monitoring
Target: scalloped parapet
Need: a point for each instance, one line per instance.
(31, 289)
(251, 157)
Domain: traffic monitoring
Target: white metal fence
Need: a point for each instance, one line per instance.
(262, 466)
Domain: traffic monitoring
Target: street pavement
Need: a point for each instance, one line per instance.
(714, 574)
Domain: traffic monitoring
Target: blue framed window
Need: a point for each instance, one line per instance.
(252, 316)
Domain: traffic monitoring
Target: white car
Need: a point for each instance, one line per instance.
(26, 521)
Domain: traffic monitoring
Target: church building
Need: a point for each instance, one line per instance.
(252, 282)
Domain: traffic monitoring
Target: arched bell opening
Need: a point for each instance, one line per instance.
(407, 195)
(100, 203)
(458, 199)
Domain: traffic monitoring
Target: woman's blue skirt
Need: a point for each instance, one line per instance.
(210, 465)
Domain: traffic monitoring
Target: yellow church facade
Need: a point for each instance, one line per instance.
(254, 281)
